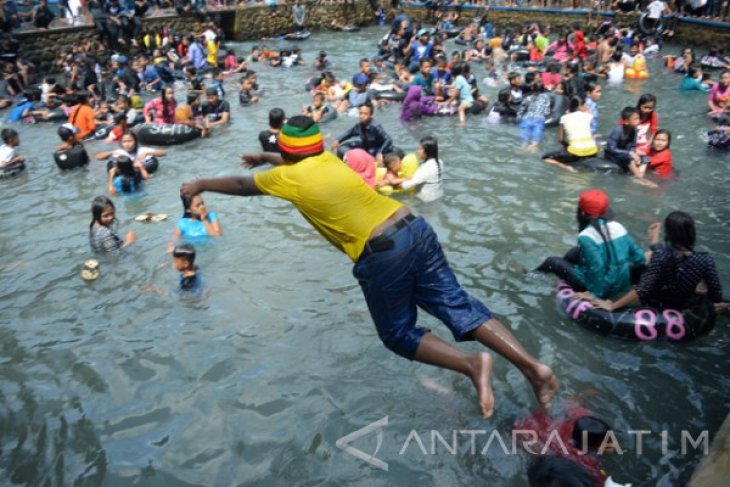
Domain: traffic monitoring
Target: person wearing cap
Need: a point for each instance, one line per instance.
(421, 47)
(398, 260)
(81, 116)
(217, 112)
(367, 135)
(358, 95)
(606, 259)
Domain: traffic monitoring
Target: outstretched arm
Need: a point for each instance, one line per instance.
(233, 185)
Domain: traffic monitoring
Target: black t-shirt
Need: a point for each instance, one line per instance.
(213, 113)
(195, 83)
(268, 141)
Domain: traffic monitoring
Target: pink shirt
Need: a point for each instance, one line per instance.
(161, 117)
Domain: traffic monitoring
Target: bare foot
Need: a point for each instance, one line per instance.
(482, 379)
(544, 383)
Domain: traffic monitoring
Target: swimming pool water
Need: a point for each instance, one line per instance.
(107, 383)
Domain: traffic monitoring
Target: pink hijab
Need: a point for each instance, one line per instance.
(363, 164)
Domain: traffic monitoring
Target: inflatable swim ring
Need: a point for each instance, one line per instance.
(100, 133)
(449, 33)
(75, 157)
(597, 164)
(638, 70)
(166, 134)
(299, 35)
(389, 95)
(409, 166)
(150, 163)
(12, 170)
(643, 324)
(57, 115)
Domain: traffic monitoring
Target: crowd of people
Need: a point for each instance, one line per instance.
(543, 80)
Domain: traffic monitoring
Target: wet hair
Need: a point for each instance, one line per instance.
(431, 151)
(627, 112)
(186, 202)
(646, 98)
(430, 147)
(98, 205)
(368, 105)
(594, 429)
(66, 134)
(667, 133)
(185, 251)
(554, 471)
(131, 177)
(134, 137)
(679, 230)
(390, 158)
(8, 135)
(591, 86)
(276, 118)
(575, 103)
(165, 103)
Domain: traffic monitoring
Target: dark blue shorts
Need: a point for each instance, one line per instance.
(414, 273)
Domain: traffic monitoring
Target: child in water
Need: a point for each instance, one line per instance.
(183, 256)
(126, 176)
(392, 163)
(8, 157)
(101, 236)
(197, 223)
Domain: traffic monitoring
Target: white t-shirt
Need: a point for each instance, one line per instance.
(656, 8)
(7, 154)
(428, 178)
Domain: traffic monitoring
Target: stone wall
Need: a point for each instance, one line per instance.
(688, 31)
(257, 22)
(43, 47)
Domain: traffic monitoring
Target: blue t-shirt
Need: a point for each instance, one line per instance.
(120, 187)
(16, 114)
(192, 285)
(191, 228)
(464, 88)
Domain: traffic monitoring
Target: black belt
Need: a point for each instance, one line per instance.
(384, 241)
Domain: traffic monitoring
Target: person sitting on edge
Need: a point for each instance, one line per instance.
(398, 261)
(371, 136)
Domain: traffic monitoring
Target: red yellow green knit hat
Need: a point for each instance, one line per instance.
(300, 137)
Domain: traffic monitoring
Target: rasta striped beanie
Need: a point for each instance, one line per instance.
(300, 137)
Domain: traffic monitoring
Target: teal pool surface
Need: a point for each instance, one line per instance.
(108, 383)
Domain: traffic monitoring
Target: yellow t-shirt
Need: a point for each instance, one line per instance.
(332, 197)
(212, 53)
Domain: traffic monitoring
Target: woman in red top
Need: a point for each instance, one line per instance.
(648, 123)
(660, 157)
(163, 107)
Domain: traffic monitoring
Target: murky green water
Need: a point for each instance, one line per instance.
(103, 384)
